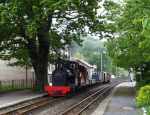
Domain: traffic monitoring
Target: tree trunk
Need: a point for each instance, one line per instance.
(41, 76)
(38, 50)
(39, 60)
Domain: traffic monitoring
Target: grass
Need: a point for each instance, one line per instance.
(9, 88)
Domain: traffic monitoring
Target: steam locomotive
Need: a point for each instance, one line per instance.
(71, 75)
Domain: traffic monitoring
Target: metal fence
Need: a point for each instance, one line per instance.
(16, 84)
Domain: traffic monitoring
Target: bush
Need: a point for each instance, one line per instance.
(141, 84)
(147, 110)
(143, 98)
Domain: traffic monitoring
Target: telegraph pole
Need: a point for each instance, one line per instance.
(101, 62)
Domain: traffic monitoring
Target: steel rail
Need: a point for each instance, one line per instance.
(28, 109)
(94, 100)
(88, 101)
(25, 110)
(85, 99)
(23, 106)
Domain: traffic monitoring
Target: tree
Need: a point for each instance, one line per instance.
(91, 50)
(36, 26)
(130, 45)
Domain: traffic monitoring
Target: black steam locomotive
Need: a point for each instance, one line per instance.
(69, 75)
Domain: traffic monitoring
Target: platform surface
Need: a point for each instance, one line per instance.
(120, 102)
(11, 98)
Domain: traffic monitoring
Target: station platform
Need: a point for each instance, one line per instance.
(12, 98)
(120, 102)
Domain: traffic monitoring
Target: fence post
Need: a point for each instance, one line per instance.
(12, 83)
(22, 83)
(0, 85)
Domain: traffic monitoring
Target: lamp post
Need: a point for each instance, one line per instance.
(101, 54)
(101, 60)
(26, 67)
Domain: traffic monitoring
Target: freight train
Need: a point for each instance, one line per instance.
(69, 76)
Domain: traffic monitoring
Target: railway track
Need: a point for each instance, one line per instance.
(79, 108)
(24, 108)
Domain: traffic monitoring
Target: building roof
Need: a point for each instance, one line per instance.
(84, 63)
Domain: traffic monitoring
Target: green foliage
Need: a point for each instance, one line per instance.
(91, 50)
(8, 88)
(122, 49)
(29, 29)
(27, 19)
(147, 110)
(143, 98)
(130, 43)
(131, 38)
